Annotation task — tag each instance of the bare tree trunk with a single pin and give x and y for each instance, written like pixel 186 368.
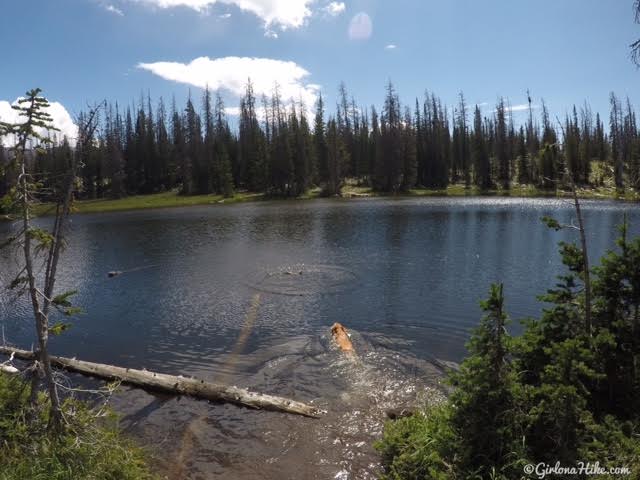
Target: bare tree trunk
pixel 42 324
pixel 585 255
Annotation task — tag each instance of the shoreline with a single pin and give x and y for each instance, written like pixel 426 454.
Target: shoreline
pixel 173 199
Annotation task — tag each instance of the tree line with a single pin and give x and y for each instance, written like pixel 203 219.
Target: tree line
pixel 277 149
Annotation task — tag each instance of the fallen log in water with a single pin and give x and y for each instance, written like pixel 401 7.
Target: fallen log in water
pixel 177 385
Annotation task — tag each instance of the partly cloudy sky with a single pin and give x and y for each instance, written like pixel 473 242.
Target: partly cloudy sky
pixel 61 120
pixel 563 52
pixel 283 13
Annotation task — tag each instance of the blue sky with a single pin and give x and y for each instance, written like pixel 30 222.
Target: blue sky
pixel 79 51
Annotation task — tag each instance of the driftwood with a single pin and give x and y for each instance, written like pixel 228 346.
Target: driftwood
pixel 177 385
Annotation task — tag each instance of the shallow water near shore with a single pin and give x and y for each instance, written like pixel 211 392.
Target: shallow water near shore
pixel 245 294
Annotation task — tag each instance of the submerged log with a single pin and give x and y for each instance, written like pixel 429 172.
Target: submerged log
pixel 177 385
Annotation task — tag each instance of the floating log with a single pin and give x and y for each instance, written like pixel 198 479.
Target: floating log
pixel 341 337
pixel 177 385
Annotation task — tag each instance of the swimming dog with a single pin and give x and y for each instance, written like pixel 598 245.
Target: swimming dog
pixel 341 337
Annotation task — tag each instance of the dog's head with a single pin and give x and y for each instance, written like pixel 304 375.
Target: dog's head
pixel 338 328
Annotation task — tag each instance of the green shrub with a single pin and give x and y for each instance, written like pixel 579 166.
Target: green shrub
pixel 419 446
pixel 90 447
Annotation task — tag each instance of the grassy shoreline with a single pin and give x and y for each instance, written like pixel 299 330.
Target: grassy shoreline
pixel 173 199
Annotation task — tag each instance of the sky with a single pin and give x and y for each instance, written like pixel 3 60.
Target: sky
pixel 82 51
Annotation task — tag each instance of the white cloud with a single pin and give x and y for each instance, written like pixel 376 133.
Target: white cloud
pixel 114 9
pixel 285 13
pixel 260 112
pixel 335 8
pixel 232 111
pixel 231 74
pixel 61 120
pixel 224 16
pixel 391 46
pixel 522 107
pixel 270 34
pixel 360 27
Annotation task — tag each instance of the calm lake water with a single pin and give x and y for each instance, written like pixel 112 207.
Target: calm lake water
pixel 246 293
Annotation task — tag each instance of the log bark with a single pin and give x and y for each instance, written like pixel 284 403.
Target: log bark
pixel 177 385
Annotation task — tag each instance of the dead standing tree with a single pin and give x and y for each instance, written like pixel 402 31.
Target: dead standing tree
pixel 582 253
pixel 42 247
pixel 635 46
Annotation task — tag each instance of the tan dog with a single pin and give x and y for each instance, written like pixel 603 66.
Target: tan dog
pixel 341 337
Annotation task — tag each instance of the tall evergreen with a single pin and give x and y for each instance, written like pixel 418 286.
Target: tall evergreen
pixel 320 143
pixel 502 146
pixel 480 153
pixel 523 159
pixel 390 161
pixel 337 159
pixel 616 125
pixel 252 162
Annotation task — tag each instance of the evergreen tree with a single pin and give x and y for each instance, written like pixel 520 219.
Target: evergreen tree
pixel 222 175
pixel 480 153
pixel 485 412
pixel 390 161
pixel 281 165
pixel 337 158
pixel 192 149
pixel 409 167
pixel 502 146
pixel 617 140
pixel 252 164
pixel 320 143
pixel 523 159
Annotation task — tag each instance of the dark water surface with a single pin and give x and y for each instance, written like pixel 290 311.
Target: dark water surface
pixel 246 293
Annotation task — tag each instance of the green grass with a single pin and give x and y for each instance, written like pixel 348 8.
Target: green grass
pixel 89 447
pixel 518 191
pixel 155 200
pixel 350 190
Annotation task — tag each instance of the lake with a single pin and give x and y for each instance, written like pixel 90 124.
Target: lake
pixel 246 293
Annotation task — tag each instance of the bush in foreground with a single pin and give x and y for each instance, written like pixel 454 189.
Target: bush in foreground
pixel 90 446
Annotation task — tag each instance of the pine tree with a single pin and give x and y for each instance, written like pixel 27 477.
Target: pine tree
pixel 463 142
pixel 548 156
pixel 523 159
pixel 320 143
pixel 192 150
pixel 501 146
pixel 166 176
pixel 390 162
pixel 222 143
pixel 484 415
pixel 337 159
pixel 409 167
pixel 617 140
pixel 281 165
pixel 252 163
pixel 572 147
pixel 480 153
